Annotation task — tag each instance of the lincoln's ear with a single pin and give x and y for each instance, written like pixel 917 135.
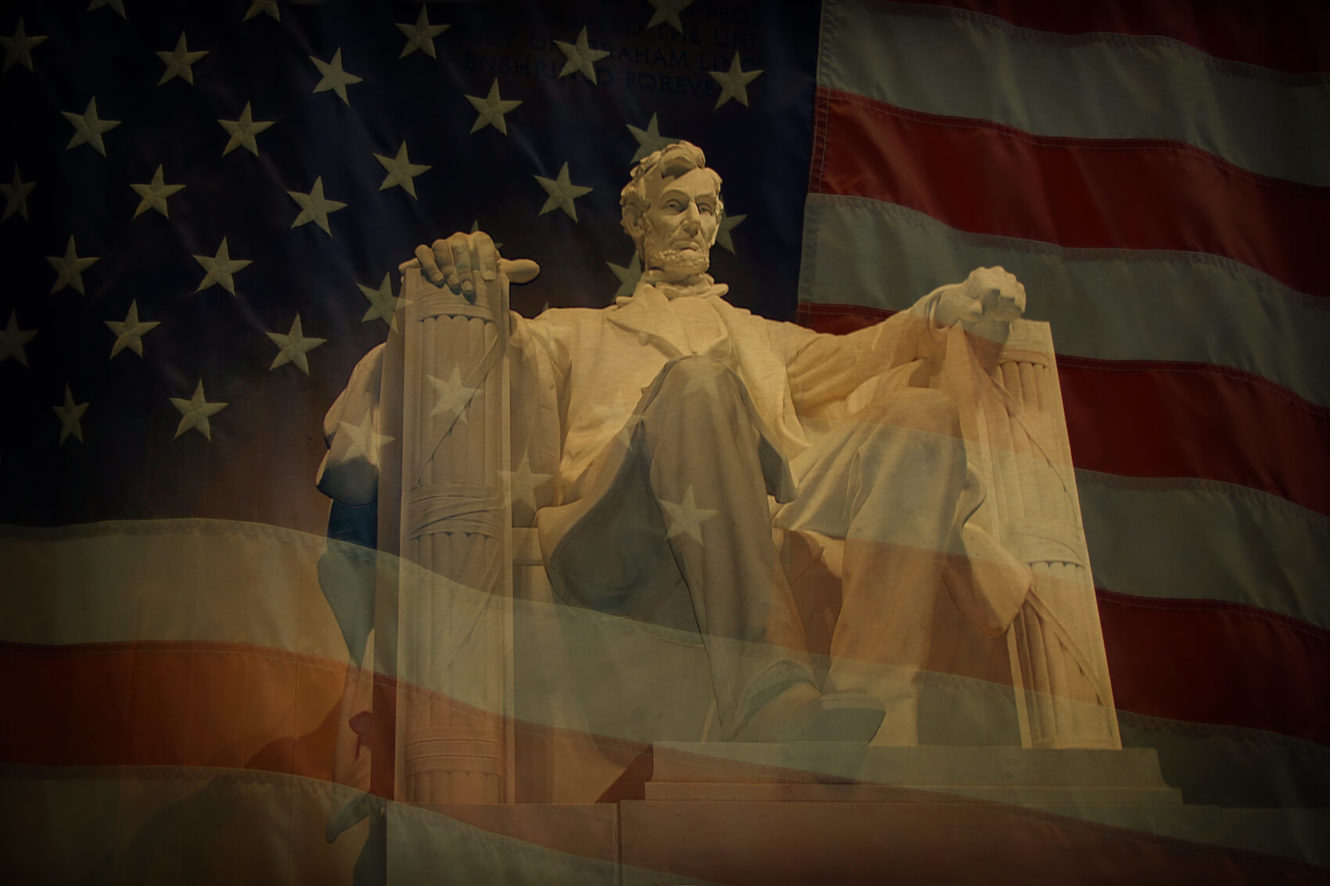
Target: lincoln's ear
pixel 633 222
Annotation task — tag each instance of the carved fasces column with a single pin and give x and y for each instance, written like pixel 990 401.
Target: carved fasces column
pixel 454 616
pixel 1056 645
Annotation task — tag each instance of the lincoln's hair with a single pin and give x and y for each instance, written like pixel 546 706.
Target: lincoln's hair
pixel 669 162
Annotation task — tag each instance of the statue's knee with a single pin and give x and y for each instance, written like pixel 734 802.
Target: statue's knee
pixel 922 409
pixel 697 365
pixel 696 391
pixel 695 372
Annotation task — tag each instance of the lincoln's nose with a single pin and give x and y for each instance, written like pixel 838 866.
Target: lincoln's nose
pixel 692 221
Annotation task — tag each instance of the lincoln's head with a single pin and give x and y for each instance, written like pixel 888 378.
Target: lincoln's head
pixel 671 208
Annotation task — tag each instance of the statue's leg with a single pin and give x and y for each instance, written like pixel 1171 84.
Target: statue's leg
pixel 699 433
pixel 887 481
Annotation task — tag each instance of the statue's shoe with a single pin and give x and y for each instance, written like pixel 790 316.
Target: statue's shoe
pixel 801 713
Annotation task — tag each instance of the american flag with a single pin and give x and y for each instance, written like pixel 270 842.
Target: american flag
pixel 205 208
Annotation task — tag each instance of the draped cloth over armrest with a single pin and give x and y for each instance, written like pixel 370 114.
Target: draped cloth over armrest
pixel 1055 645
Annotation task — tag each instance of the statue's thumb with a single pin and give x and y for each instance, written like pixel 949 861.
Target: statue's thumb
pixel 520 270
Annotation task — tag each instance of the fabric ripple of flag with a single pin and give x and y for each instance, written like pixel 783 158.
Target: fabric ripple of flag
pixel 205 208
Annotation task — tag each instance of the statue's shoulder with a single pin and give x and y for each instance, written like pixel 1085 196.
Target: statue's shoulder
pixel 558 330
pixel 570 319
pixel 365 376
pixel 571 315
pixel 777 330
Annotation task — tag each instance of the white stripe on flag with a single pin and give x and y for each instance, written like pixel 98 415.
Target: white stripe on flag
pixel 172 824
pixel 1107 304
pixel 1202 540
pixel 189 580
pixel 1095 86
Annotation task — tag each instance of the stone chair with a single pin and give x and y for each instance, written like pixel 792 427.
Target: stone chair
pixel 502 695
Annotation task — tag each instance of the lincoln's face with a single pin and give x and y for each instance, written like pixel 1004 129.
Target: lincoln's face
pixel 680 225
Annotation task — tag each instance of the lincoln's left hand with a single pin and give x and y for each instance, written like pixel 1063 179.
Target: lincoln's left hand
pixel 984 303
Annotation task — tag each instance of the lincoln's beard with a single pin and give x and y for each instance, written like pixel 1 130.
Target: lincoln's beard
pixel 689 262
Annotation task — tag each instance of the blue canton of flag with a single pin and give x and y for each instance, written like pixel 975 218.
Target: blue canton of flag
pixel 225 191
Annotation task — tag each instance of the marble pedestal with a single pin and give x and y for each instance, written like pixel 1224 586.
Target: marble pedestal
pixel 708 813
pixel 833 772
pixel 828 813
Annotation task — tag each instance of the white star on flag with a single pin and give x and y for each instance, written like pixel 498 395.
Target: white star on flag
pixel 628 276
pixel 685 518
pixel 88 127
pixel 734 82
pixel 401 171
pixel 243 131
pixel 154 194
pixel 69 415
pixel 117 5
pixel 453 396
pixel 728 223
pixel 268 6
pixel 523 482
pixel 293 347
pixel 178 62
pixel 364 439
pixel 382 302
pixel 668 11
pixel 420 35
pixel 581 57
pixel 334 77
pixel 314 207
pixel 562 193
pixel 649 139
pixel 16 195
pixel 490 109
pixel 69 268
pixel 12 340
pixel 221 269
pixel 130 332
pixel 18 48
pixel 195 412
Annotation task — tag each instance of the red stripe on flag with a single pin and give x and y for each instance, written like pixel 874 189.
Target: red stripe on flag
pixel 1288 35
pixel 1130 194
pixel 1193 420
pixel 170 704
pixel 228 705
pixel 913 838
pixel 1141 419
pixel 1211 662
pixel 233 706
pixel 838 319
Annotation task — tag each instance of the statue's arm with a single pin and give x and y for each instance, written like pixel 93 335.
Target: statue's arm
pixel 539 350
pixel 349 475
pixel 826 369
